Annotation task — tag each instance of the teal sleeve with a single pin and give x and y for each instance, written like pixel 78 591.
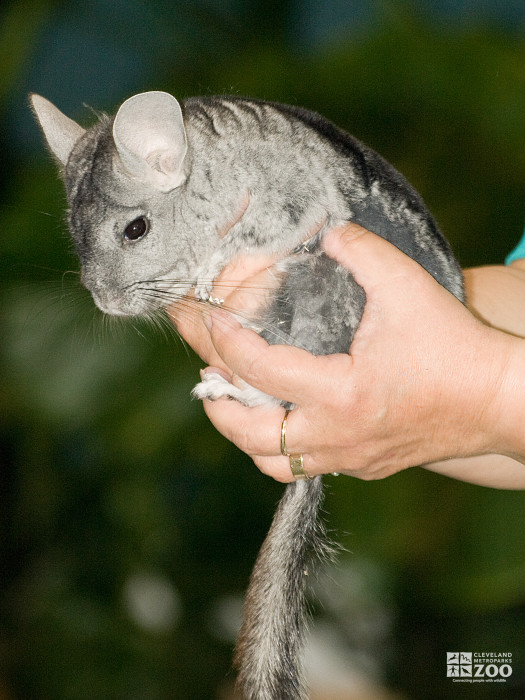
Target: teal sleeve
pixel 518 252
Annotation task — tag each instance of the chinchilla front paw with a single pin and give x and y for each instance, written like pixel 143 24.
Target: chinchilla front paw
pixel 206 274
pixel 214 386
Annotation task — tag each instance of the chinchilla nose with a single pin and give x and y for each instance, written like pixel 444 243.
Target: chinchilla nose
pixel 84 277
pixel 105 294
pixel 91 280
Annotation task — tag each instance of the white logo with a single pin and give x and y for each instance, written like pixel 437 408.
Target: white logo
pixel 479 667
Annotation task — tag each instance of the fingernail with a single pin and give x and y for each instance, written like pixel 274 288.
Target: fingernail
pixel 215 370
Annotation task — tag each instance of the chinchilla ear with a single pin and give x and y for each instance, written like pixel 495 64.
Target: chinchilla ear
pixel 151 140
pixel 60 131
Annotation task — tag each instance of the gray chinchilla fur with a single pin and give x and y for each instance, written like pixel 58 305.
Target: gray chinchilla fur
pixel 162 196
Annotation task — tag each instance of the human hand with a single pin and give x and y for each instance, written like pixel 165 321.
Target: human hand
pixel 419 383
pixel 243 286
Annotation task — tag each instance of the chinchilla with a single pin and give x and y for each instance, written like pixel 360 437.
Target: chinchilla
pixel 162 196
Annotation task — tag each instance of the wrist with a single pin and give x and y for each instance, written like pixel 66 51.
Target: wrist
pixel 487 401
pixel 509 404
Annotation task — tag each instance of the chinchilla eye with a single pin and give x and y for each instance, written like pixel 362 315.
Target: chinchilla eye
pixel 137 229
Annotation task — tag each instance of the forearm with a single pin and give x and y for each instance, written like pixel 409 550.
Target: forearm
pixel 511 409
pixel 494 471
pixel 496 294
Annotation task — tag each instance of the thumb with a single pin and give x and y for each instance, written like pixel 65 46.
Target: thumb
pixel 373 261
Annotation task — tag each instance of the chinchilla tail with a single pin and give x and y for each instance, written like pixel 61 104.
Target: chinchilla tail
pixel 272 635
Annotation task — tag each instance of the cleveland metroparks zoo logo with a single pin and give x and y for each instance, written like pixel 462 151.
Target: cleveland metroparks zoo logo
pixel 479 667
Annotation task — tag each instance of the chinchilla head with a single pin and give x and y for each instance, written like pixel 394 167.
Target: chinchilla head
pixel 124 181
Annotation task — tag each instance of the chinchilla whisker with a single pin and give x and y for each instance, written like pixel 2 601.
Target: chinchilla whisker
pixel 255 319
pixel 190 309
pixel 75 273
pixel 160 323
pixel 231 284
pixel 187 283
pixel 54 294
pixel 136 328
pixel 171 291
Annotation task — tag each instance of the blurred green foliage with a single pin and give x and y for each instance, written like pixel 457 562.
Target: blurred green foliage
pixel 115 489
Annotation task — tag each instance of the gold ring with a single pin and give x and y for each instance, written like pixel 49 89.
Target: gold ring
pixel 283 434
pixel 296 461
pixel 297 467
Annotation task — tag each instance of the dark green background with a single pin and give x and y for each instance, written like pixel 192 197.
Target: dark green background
pixel 111 477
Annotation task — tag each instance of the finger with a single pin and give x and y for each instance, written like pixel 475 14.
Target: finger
pixel 188 321
pixel 244 286
pixel 245 283
pixel 255 430
pixel 372 260
pixel 278 370
pixel 276 467
pixel 253 295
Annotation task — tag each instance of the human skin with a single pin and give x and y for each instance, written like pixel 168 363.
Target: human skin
pixel 426 382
